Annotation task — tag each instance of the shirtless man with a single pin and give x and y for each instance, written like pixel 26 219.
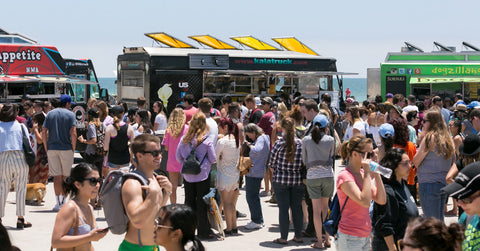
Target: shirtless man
pixel 143 210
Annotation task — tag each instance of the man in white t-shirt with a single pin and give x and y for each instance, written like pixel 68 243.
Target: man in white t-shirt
pixel 411 104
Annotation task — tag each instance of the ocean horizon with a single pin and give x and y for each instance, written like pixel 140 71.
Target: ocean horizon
pixel 358 86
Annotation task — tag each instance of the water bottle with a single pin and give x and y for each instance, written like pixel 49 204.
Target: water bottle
pixel 385 172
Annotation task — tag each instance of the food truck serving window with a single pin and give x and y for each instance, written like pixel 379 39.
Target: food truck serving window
pixel 133 78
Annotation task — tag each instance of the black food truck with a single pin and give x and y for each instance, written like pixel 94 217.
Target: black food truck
pixel 167 74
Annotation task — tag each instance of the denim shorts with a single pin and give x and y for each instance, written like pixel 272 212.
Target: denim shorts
pixel 347 242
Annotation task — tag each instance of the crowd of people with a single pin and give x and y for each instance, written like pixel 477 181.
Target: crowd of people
pixel 292 145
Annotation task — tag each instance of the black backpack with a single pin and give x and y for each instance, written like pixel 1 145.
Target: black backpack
pixel 191 165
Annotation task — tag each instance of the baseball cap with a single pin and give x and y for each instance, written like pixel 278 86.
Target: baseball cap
pixel 267 100
pixel 258 101
pixel 321 120
pixel 65 98
pixel 93 112
pixel 386 129
pixel 390 106
pixel 470 146
pixel 116 109
pixel 389 95
pixel 473 105
pixel 25 96
pixel 350 100
pixel 466 182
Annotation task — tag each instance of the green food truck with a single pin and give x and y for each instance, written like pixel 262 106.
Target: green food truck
pixel 440 73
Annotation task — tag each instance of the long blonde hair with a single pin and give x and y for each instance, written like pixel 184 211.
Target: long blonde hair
pixel 198 127
pixel 437 129
pixel 176 122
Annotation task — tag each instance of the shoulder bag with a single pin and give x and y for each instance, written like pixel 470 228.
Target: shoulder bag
pixel 27 149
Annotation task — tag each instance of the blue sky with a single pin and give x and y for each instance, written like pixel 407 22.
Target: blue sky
pixel 357 33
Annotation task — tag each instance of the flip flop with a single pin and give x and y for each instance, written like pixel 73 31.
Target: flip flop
pixel 280 241
pixel 315 245
pixel 297 240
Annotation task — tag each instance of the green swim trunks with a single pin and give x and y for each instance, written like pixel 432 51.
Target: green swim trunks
pixel 127 246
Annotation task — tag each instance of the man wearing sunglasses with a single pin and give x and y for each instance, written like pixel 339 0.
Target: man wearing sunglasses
pixel 141 209
pixel 475 119
pixel 466 190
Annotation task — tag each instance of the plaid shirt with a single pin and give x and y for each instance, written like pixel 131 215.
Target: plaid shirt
pixel 284 172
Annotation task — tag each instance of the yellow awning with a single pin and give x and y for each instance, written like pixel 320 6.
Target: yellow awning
pixel 254 43
pixel 292 44
pixel 212 42
pixel 164 38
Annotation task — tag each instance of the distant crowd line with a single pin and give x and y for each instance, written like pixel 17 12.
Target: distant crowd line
pixel 288 145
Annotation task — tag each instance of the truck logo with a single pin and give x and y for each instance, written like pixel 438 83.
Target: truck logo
pixel 31 70
pixel 28 55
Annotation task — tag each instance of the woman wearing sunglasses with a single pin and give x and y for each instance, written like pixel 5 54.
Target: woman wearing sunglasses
pixel 75 226
pixel 175 228
pixel 431 234
pixel 433 161
pixel 355 183
pixel 390 220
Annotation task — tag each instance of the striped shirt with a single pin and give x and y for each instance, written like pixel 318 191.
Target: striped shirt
pixel 284 172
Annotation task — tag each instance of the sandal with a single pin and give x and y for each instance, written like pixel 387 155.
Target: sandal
pixel 316 245
pixel 326 241
pixel 21 223
pixel 280 241
pixel 297 240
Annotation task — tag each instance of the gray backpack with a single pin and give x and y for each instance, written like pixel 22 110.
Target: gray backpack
pixel 111 198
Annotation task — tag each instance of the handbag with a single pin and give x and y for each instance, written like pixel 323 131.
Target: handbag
pixel 192 165
pixel 244 165
pixel 27 150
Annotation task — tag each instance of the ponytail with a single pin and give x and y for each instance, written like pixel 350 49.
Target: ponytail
pixel 116 122
pixel 317 134
pixel 197 245
pixel 232 128
pixel 387 142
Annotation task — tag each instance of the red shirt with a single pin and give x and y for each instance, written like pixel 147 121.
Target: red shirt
pixel 266 123
pixel 189 113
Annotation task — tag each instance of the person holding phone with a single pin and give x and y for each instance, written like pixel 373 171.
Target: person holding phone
pixel 75 225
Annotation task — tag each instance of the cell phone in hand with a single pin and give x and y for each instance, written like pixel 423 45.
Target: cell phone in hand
pixel 104 230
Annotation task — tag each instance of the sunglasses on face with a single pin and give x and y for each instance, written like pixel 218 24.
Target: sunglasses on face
pixel 405 163
pixel 369 155
pixel 93 181
pixel 158 225
pixel 401 244
pixel 469 199
pixel 153 153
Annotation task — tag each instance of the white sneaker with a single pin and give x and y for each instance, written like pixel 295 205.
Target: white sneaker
pixel 253 225
pixel 56 208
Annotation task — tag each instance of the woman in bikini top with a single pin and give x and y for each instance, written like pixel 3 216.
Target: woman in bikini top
pixel 75 227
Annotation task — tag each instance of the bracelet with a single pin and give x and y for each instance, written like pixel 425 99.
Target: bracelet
pixel 168 192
